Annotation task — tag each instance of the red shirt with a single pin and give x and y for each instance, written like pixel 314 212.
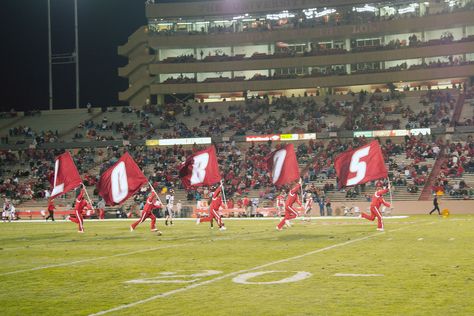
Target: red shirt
pixel 216 200
pixel 377 199
pixel 151 203
pixel 293 196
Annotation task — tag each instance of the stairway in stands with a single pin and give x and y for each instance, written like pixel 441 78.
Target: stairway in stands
pixel 426 192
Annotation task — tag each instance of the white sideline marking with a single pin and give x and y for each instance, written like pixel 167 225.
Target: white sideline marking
pixel 87 260
pixel 194 219
pixel 356 275
pixel 195 285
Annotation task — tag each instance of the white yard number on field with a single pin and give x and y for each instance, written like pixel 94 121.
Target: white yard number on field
pixel 174 277
pixel 58 187
pixel 357 166
pixel 244 278
pixel 199 168
pixel 119 181
pixel 278 160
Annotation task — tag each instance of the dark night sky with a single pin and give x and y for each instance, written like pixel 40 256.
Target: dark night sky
pixel 103 26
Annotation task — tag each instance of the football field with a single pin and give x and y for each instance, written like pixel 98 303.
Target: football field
pixel 420 265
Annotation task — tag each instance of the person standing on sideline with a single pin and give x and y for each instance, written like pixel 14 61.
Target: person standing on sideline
pixel 320 201
pixel 8 211
pixel 216 202
pixel 51 208
pixel 80 205
pixel 290 212
pixel 328 207
pixel 308 206
pixel 101 207
pixel 169 207
pixel 150 204
pixel 179 206
pixel 280 203
pixel 436 205
pixel 377 201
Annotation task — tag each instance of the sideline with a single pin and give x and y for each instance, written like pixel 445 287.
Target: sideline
pixel 194 219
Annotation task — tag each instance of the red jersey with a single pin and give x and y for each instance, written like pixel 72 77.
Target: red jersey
pixel 216 199
pixel 80 202
pixel 293 196
pixel 51 206
pixel 151 203
pixel 377 199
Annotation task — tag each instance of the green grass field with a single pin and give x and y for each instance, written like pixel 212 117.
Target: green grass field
pixel 423 265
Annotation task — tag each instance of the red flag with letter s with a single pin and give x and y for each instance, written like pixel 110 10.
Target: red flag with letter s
pixel 360 165
pixel 283 165
pixel 121 180
pixel 199 169
pixel 66 177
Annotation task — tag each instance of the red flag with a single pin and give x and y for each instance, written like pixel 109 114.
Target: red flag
pixel 360 165
pixel 121 181
pixel 283 165
pixel 66 177
pixel 200 169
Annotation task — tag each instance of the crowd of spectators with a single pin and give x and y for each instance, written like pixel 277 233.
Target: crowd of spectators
pixel 341 16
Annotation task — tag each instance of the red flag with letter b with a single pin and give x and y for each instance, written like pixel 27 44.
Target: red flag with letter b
pixel 200 169
pixel 360 165
pixel 283 165
pixel 66 177
pixel 121 180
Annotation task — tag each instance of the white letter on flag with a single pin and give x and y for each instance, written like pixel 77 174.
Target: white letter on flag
pixel 119 182
pixel 199 168
pixel 358 166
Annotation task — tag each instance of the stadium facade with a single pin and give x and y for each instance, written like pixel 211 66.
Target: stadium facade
pixel 211 50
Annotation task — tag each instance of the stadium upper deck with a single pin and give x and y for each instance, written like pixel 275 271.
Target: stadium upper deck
pixel 212 50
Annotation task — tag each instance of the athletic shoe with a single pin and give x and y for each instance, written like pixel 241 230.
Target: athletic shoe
pixel 287 223
pixel 278 228
pixel 131 228
pixel 67 218
pixel 158 233
pixel 154 229
pixel 380 229
pixel 198 221
pixel 222 228
pixel 80 231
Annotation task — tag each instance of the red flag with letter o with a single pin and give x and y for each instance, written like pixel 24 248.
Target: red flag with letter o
pixel 360 165
pixel 121 180
pixel 200 169
pixel 283 165
pixel 66 177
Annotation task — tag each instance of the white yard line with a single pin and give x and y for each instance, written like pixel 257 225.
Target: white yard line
pixel 65 264
pixel 195 285
pixel 356 275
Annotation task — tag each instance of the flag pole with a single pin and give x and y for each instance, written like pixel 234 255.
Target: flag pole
pixel 153 189
pixel 88 197
pixel 223 193
pixel 390 191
